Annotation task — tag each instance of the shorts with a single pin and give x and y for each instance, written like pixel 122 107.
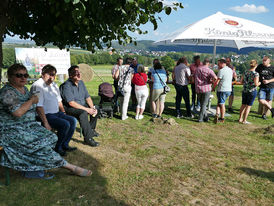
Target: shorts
pixel 158 94
pixel 249 97
pixel 266 93
pixel 222 96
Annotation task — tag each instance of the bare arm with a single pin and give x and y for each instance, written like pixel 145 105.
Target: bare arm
pixel 268 81
pixel 79 106
pixel 25 107
pixel 61 107
pixel 116 76
pixel 240 82
pixel 256 81
pixel 41 114
pixel 215 84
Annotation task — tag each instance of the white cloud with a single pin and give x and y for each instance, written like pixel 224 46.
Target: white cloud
pixel 250 9
pixel 169 2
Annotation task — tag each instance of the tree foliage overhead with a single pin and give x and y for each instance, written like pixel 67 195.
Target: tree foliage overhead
pixel 83 23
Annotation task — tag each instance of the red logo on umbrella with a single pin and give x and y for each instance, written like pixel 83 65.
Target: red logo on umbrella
pixel 232 23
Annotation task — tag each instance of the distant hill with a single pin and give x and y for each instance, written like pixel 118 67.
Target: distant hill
pixel 148 45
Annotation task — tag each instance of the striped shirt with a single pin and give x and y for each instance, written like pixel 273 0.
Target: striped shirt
pixel 203 79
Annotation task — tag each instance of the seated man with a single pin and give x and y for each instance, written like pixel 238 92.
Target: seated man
pixel 77 102
pixel 51 110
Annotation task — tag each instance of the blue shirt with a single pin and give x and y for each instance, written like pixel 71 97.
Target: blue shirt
pixel 134 67
pixel 158 84
pixel 71 92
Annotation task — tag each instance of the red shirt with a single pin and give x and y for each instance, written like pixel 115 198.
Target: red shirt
pixel 138 80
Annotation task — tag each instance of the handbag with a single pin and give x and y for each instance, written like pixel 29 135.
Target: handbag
pixel 120 90
pixel 166 88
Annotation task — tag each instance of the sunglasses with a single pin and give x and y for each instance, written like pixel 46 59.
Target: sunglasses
pixel 18 75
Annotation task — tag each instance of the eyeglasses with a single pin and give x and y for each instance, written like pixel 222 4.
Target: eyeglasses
pixel 19 75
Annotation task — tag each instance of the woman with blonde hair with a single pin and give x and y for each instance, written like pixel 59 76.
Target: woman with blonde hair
pixel 250 81
pixel 141 90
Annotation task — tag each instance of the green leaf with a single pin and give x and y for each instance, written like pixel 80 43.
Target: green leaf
pixel 168 10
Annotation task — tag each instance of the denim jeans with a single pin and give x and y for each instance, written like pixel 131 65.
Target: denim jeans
pixel 193 97
pixel 203 98
pixel 182 91
pixel 65 126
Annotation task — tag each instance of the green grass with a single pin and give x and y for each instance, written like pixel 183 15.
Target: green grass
pixel 146 163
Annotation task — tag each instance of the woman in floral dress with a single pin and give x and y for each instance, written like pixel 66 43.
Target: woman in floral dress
pixel 27 145
pixel 250 80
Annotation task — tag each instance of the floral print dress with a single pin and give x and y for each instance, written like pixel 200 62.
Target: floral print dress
pixel 27 145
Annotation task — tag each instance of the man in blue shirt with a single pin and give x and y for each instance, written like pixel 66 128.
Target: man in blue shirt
pixel 134 66
pixel 78 103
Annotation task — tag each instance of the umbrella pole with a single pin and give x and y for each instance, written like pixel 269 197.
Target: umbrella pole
pixel 214 53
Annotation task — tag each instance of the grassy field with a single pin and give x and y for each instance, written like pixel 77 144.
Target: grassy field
pixel 146 163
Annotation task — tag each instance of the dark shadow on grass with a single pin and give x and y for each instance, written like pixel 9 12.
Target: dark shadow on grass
pixel 258 173
pixel 64 189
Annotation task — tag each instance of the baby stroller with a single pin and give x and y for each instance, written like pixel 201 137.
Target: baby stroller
pixel 106 104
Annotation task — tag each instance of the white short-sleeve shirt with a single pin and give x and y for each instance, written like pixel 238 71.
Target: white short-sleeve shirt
pixel 49 97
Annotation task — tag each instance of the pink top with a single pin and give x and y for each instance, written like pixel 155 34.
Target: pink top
pixel 203 79
pixel 193 67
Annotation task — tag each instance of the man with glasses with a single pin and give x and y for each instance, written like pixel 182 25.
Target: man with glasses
pixel 78 103
pixel 51 110
pixel 266 92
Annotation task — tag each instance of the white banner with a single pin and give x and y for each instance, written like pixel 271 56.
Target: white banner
pixel 35 58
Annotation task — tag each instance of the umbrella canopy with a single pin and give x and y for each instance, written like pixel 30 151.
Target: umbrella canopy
pixel 222 30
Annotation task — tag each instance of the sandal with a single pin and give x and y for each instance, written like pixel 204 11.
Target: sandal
pixel 82 172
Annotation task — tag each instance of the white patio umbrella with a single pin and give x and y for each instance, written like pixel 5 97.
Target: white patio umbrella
pixel 222 30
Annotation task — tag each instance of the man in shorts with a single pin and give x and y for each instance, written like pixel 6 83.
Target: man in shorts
pixel 224 83
pixel 266 92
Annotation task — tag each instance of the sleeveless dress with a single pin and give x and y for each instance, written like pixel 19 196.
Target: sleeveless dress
pixel 27 145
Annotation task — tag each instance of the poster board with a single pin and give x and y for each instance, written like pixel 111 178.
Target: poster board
pixel 34 59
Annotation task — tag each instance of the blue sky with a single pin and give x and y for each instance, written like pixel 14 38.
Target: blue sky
pixel 261 11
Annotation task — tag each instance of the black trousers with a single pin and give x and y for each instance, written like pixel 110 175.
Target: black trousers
pixel 88 126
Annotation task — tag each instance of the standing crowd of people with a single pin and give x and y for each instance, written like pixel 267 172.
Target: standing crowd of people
pixel 33 148
pixel 203 81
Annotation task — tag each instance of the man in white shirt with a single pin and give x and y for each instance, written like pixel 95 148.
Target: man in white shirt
pixel 51 110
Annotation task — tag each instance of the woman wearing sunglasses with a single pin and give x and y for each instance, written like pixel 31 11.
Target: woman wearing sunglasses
pixel 28 147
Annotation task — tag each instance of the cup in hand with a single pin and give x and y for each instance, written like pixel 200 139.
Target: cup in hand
pixel 36 93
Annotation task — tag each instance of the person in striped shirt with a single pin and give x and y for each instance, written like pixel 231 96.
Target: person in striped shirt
pixel 204 77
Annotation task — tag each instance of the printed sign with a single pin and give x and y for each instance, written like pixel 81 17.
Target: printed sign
pixel 35 58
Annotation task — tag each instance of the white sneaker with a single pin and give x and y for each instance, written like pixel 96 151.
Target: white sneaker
pixel 137 117
pixel 141 116
pixel 246 122
pixel 124 118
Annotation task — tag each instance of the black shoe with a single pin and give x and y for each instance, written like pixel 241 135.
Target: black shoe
pixel 264 117
pixel 61 152
pixel 206 119
pixel 69 149
pixel 230 110
pixel 96 134
pixel 91 142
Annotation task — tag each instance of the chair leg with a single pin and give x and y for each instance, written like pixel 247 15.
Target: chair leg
pixel 7 176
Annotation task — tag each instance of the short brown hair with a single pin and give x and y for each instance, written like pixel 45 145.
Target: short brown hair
pixel 14 68
pixel 48 69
